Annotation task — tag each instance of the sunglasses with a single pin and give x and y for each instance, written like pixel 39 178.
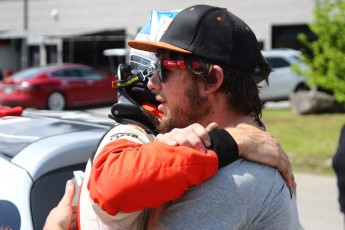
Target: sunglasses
pixel 162 64
pixel 125 77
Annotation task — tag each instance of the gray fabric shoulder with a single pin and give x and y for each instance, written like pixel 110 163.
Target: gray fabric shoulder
pixel 243 195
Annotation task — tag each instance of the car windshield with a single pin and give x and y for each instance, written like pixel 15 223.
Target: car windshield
pixel 18 132
pixel 29 73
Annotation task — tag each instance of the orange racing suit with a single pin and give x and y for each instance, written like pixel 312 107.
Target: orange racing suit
pixel 131 174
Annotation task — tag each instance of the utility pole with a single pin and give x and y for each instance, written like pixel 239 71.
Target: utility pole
pixel 24 53
pixel 25 13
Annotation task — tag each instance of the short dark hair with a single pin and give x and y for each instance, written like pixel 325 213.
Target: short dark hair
pixel 238 85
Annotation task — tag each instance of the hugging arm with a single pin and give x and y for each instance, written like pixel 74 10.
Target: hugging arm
pixel 245 141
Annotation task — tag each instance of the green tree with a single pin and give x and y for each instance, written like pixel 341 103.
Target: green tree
pixel 327 62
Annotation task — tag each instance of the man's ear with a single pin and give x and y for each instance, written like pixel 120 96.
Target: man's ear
pixel 218 75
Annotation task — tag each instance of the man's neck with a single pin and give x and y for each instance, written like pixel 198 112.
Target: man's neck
pixel 227 117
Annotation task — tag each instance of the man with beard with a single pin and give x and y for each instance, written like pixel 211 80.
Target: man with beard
pixel 209 60
pixel 192 88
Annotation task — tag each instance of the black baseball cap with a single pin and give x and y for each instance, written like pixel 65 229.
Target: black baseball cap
pixel 212 33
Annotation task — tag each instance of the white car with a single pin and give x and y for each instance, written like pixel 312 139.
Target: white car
pixel 39 151
pixel 282 80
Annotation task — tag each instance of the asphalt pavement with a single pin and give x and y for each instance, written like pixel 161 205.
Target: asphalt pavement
pixel 317 195
pixel 317 201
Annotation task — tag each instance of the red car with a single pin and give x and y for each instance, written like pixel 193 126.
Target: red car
pixel 56 87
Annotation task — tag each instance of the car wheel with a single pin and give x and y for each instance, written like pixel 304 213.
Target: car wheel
pixel 56 101
pixel 301 88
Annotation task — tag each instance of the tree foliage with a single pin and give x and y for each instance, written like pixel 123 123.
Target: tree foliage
pixel 327 62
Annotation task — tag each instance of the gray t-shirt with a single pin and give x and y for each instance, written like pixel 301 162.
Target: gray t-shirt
pixel 242 195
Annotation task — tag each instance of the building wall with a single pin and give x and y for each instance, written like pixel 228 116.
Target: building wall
pixel 132 14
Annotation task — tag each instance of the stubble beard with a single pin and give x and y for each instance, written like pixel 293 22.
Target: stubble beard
pixel 193 110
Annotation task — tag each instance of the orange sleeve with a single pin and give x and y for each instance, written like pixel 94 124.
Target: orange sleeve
pixel 127 176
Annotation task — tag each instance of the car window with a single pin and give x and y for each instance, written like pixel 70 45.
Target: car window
pixel 66 73
pixel 29 73
pixel 47 192
pixel 85 73
pixel 277 62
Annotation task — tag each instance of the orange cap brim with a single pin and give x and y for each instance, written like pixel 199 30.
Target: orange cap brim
pixel 152 46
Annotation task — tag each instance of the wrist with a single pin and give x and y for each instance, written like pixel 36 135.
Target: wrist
pixel 224 145
pixel 239 139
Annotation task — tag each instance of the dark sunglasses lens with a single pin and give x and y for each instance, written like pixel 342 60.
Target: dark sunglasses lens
pixel 161 72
